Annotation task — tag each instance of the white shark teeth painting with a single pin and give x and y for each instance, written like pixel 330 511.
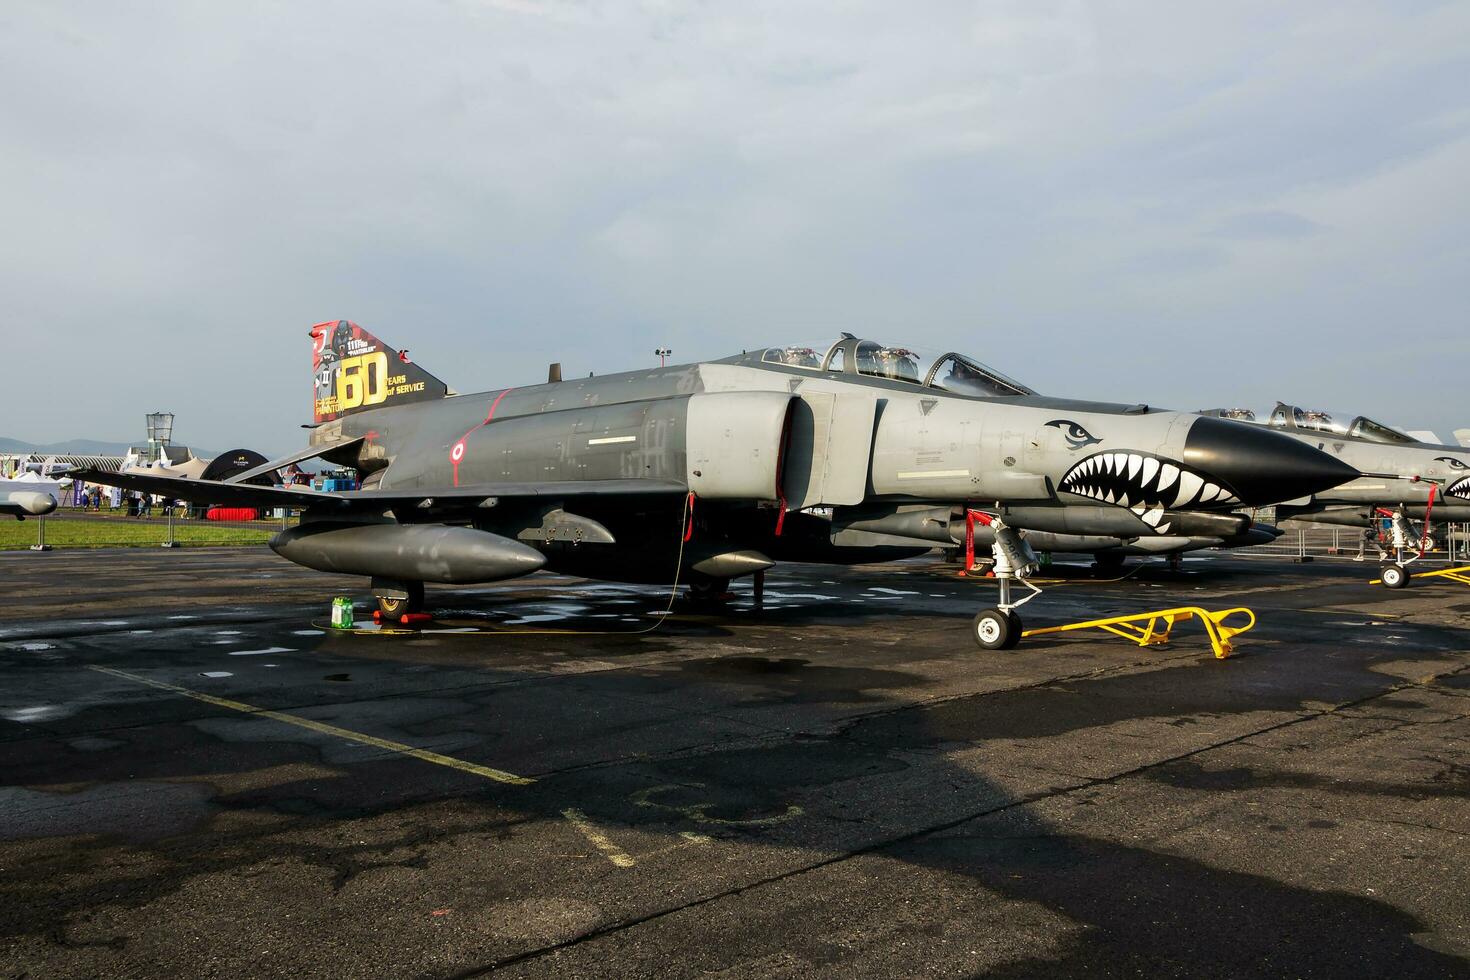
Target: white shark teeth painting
pixel 1145 484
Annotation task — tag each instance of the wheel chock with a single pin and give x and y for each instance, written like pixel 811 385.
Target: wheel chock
pixel 1153 628
pixel 406 619
pixel 1460 574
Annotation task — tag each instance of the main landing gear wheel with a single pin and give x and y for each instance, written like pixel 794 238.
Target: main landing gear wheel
pixel 997 630
pixel 1394 576
pixel 392 607
pixel 708 589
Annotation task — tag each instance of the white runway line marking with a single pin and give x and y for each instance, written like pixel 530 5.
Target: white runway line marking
pixel 448 761
pixel 24 715
pixel 611 851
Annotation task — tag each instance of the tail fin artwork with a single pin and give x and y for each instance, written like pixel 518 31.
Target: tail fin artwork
pixel 353 371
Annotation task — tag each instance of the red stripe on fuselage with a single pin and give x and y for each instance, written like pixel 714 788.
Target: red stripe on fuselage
pixel 457 451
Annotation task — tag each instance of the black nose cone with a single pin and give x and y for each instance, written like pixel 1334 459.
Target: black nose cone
pixel 1261 466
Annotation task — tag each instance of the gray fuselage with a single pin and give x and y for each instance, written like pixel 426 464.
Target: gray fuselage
pixel 750 438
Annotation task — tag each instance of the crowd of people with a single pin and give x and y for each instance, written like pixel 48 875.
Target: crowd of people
pixel 134 502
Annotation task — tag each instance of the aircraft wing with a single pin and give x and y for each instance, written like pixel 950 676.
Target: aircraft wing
pixel 300 456
pixel 250 495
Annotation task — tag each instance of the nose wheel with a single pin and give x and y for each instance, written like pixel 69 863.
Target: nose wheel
pixel 997 629
pixel 1393 576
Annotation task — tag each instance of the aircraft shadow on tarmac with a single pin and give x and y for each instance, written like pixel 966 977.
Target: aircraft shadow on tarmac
pixel 1140 911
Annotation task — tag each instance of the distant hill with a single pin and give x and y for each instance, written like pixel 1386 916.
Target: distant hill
pixel 81 447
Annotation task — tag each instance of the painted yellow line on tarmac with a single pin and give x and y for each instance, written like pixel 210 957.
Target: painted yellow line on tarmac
pixel 499 775
pixel 599 840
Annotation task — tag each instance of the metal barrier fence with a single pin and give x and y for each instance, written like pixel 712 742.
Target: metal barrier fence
pixel 166 527
pixel 1303 541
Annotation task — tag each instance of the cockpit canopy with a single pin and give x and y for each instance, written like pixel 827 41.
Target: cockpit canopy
pixel 1290 417
pixel 952 372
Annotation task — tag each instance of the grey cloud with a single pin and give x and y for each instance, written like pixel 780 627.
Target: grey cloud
pixel 185 188
pixel 1265 224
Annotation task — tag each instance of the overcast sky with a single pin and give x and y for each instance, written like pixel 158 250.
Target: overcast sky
pixel 1187 204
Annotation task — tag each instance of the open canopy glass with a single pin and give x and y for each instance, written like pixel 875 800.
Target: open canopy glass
pixel 949 371
pixel 1291 417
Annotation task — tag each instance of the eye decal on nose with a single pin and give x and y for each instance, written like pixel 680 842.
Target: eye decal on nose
pixel 1147 485
pixel 1076 436
pixel 1460 487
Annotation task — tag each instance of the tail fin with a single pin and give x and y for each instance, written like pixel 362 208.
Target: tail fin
pixel 353 371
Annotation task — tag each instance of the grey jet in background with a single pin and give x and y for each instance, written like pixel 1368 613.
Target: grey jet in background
pixel 846 452
pixel 1398 474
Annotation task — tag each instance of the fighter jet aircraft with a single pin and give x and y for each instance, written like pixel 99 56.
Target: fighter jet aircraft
pixel 845 452
pixel 1398 473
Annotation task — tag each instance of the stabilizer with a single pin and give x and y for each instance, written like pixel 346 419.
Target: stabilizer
pixel 353 371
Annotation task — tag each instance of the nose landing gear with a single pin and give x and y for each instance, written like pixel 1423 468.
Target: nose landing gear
pixel 1404 539
pixel 1000 628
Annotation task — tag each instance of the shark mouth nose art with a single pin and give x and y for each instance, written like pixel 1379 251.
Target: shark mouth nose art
pixel 1146 485
pixel 1460 488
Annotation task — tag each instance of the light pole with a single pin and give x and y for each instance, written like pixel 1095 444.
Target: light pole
pixel 663 354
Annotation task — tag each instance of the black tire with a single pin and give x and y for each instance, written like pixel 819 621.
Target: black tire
pixel 1016 629
pixel 1394 576
pixel 393 608
pixel 995 630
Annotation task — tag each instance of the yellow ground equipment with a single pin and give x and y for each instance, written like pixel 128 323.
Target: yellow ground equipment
pixel 1152 628
pixel 1396 576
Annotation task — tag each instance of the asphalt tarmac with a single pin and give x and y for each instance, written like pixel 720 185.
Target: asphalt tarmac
pixel 198 780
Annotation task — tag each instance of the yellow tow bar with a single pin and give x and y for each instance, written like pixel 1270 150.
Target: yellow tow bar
pixel 1461 575
pixel 1152 628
